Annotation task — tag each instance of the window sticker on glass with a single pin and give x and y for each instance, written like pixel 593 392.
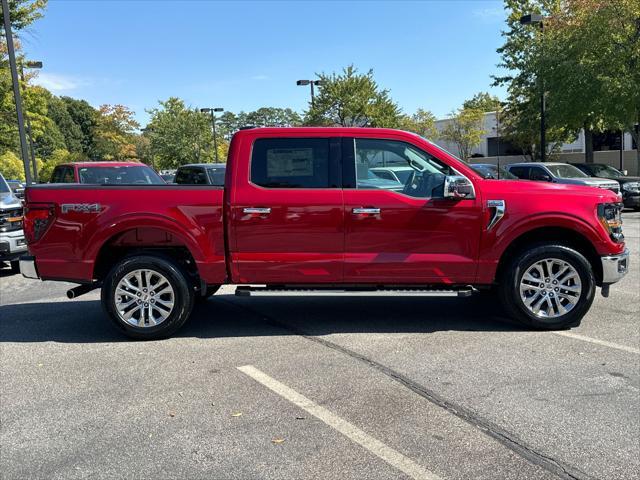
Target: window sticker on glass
pixel 290 162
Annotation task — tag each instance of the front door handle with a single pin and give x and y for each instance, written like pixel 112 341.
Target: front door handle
pixel 366 211
pixel 256 210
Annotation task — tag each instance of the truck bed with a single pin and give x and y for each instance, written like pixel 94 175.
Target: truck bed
pixel 87 218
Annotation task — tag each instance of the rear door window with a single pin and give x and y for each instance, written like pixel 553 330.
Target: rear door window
pixel 521 172
pixel 291 163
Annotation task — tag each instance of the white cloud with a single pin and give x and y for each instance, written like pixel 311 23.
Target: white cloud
pixel 59 83
pixel 260 77
pixel 490 13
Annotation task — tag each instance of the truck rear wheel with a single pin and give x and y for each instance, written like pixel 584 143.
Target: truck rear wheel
pixel 147 297
pixel 548 287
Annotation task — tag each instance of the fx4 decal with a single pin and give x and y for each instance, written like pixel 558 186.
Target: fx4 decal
pixel 81 207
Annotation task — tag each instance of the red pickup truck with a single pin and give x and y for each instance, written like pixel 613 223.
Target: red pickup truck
pixel 300 214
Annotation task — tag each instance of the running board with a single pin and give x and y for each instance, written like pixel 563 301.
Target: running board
pixel 244 291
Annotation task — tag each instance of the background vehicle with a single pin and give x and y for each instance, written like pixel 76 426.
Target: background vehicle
pixel 12 242
pixel 17 187
pixel 490 171
pixel 397 174
pixel 559 173
pixel 168 177
pixel 106 173
pixel 296 214
pixel 629 186
pixel 201 174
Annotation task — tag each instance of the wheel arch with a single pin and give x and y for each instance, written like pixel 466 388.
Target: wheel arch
pixel 552 235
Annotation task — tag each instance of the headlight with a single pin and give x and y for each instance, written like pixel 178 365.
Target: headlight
pixel 631 187
pixel 610 216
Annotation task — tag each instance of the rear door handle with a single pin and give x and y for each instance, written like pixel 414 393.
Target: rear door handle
pixel 366 211
pixel 261 211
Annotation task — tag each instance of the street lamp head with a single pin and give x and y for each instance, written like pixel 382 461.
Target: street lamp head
pixel 531 19
pixel 218 109
pixel 32 64
pixel 205 110
pixel 318 83
pixel 303 82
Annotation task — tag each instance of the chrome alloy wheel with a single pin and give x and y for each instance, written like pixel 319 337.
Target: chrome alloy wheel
pixel 550 288
pixel 144 298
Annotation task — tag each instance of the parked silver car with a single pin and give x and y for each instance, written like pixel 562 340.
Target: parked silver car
pixel 559 173
pixel 12 242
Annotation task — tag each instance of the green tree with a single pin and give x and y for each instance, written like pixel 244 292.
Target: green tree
pixel 178 135
pixel 483 101
pixel 352 99
pixel 86 118
pixel 11 166
pixel 521 55
pixel 423 122
pixel 464 129
pixel 23 13
pixel 591 66
pixel 114 133
pixel 71 132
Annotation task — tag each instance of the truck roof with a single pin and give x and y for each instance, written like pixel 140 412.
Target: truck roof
pixel 103 164
pixel 205 165
pixel 335 131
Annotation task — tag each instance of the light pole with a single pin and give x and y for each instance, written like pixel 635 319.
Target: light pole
pixel 317 83
pixel 34 65
pixel 537 19
pixel 213 124
pixel 16 90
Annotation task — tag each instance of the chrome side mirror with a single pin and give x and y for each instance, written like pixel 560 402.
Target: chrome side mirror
pixel 457 186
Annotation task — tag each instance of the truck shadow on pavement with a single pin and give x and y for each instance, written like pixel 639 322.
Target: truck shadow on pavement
pixel 230 316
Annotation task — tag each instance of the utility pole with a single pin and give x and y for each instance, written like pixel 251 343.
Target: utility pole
pixel 16 90
pixel 317 83
pixel 537 19
pixel 212 111
pixel 28 120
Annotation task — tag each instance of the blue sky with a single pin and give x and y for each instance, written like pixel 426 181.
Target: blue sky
pixel 244 55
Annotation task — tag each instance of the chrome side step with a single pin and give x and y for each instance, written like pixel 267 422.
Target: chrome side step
pixel 245 291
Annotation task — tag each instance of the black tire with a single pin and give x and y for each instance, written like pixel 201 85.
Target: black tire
pixel 178 279
pixel 509 287
pixel 15 266
pixel 211 290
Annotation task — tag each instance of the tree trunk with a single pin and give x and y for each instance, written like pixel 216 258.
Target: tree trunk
pixel 588 145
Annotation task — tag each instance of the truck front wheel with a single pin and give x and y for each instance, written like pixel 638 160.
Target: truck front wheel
pixel 147 297
pixel 548 287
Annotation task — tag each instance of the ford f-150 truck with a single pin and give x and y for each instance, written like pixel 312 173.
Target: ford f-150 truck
pixel 297 215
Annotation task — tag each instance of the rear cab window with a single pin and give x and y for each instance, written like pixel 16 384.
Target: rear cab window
pixel 291 163
pixel 119 175
pixel 63 174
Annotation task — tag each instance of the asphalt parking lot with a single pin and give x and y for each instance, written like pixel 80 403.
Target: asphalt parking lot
pixel 348 388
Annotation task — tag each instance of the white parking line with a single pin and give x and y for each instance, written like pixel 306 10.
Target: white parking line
pixel 604 343
pixel 353 433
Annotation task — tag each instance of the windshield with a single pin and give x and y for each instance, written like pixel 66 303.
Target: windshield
pixel 566 171
pixel 4 188
pixel 216 176
pixel 604 171
pixel 133 175
pixel 403 175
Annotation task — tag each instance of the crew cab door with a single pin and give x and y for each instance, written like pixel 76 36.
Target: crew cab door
pixel 410 235
pixel 287 211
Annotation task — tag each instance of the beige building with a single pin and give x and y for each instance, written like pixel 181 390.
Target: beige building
pixel 494 149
